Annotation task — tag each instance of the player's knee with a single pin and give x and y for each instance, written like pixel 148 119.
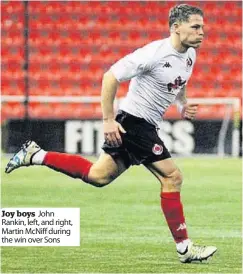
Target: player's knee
pixel 177 178
pixel 99 178
pixel 174 180
pixel 100 181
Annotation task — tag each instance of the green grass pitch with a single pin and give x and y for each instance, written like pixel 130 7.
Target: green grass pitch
pixel 122 227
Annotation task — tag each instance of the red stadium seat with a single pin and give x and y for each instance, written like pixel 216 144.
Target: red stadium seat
pixel 71 45
pixel 36 7
pixel 12 111
pixel 12 87
pixel 12 7
pixel 64 110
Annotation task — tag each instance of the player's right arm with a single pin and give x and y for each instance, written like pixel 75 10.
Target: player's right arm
pixel 126 68
pixel 112 128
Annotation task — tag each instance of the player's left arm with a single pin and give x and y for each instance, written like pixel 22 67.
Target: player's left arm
pixel 188 111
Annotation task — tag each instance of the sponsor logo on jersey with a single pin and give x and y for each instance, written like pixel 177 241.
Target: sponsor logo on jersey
pixel 181 227
pixel 167 65
pixel 157 149
pixel 177 84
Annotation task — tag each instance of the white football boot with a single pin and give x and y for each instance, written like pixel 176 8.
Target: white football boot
pixel 23 157
pixel 196 253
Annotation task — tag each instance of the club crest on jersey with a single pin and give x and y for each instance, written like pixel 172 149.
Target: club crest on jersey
pixel 188 62
pixel 157 149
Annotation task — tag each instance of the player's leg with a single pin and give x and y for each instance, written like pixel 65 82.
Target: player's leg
pixel 98 174
pixel 101 173
pixel 105 170
pixel 171 179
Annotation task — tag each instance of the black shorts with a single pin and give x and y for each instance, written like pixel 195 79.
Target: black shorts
pixel 140 144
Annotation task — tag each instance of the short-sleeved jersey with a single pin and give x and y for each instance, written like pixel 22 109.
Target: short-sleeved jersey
pixel 157 73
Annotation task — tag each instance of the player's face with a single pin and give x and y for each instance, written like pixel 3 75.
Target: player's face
pixel 191 33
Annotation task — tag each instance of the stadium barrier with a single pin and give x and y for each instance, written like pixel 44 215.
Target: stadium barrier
pixel 182 137
pixel 218 136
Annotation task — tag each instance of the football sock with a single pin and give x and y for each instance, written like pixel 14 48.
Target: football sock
pixel 173 211
pixel 39 157
pixel 71 165
pixel 181 247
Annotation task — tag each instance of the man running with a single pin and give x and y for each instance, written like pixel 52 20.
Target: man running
pixel 159 73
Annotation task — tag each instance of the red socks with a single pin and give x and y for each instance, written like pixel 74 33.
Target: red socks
pixel 78 167
pixel 72 165
pixel 173 211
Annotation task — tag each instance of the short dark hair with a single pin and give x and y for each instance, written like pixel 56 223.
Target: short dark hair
pixel 181 13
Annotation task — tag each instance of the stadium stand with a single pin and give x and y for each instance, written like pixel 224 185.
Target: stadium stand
pixel 71 44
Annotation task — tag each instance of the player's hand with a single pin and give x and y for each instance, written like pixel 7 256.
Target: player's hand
pixel 189 111
pixel 112 130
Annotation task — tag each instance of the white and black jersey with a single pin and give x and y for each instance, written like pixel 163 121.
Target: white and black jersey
pixel 157 73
